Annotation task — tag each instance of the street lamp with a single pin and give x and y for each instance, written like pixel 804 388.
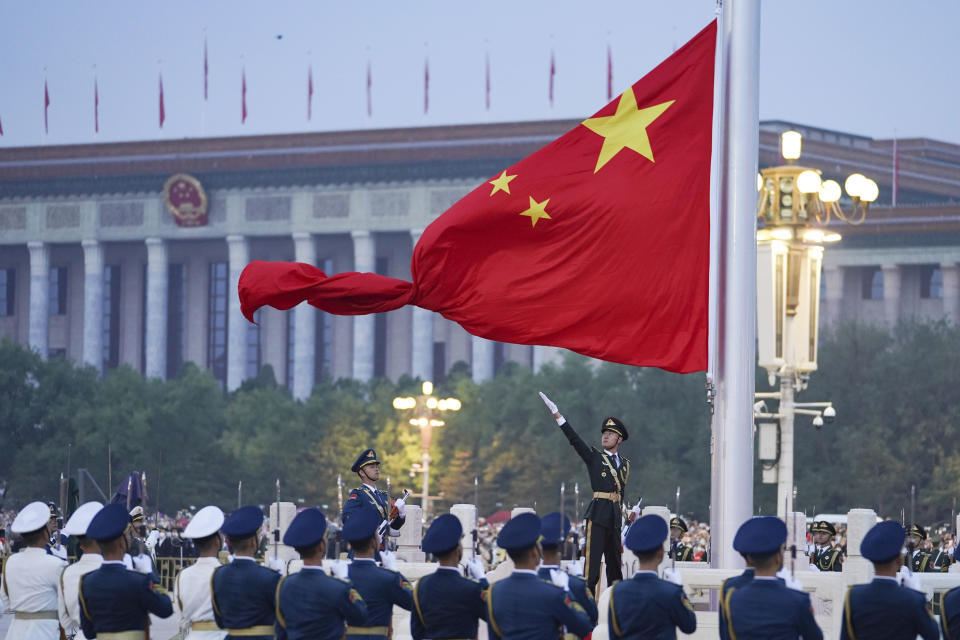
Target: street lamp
pixel 425 408
pixel 794 205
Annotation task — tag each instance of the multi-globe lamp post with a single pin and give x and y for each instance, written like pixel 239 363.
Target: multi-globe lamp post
pixel 426 407
pixel 794 207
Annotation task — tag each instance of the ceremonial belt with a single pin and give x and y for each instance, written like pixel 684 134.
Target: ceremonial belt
pixel 367 631
pixel 121 635
pixel 204 625
pixel 607 495
pixel 35 615
pixel 258 630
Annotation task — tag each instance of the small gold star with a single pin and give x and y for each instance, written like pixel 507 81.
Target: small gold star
pixel 502 183
pixel 536 211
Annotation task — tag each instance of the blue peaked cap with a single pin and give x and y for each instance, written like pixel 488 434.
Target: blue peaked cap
pixel 306 529
pixel 520 532
pixel 443 535
pixel 361 525
pixel 369 456
pixel 646 534
pixel 243 522
pixel 883 542
pixel 550 531
pixel 760 536
pixel 109 523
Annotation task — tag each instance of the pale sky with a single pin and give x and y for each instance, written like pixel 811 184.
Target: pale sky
pixel 874 67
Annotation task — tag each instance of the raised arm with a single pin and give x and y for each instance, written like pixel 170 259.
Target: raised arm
pixel 581 447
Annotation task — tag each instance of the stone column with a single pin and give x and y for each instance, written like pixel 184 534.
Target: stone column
pixel 856 568
pixel 304 326
pixel 950 272
pixel 467 515
pixel 833 277
pixel 411 534
pixel 482 361
pixel 155 349
pixel 421 359
pixel 93 303
pixel 363 330
pixel 39 332
pixel 239 252
pixel 891 294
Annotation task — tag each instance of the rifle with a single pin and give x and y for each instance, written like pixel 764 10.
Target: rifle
pixel 673 555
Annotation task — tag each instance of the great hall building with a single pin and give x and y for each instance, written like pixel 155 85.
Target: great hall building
pixel 96 265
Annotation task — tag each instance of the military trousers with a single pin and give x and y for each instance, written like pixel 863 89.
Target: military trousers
pixel 602 544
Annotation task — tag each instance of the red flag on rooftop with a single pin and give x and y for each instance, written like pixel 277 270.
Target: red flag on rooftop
pixel 46 107
pixel 243 96
pixel 426 85
pixel 1 127
pixel 369 90
pixel 163 113
pixel 487 87
pixel 309 92
pixel 206 69
pixel 609 73
pixel 553 73
pixel 598 242
pixel 96 106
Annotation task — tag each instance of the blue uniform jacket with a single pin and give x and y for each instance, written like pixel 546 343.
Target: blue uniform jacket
pixel 447 605
pixel 115 599
pixel 313 606
pixel 950 614
pixel 524 607
pixel 580 592
pixel 883 609
pixel 646 607
pixel 362 497
pixel 244 596
pixel 380 589
pixel 731 583
pixel 765 609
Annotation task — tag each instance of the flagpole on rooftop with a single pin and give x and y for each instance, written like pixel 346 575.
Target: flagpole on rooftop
pixel 735 330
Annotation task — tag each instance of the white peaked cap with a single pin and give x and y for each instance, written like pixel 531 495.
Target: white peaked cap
pixel 31 517
pixel 80 520
pixel 206 523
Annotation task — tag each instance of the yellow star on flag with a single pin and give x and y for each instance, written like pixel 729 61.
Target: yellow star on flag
pixel 627 128
pixel 536 211
pixel 502 183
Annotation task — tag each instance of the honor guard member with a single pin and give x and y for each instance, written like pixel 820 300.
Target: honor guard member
pixel 950 614
pixel 57 546
pixel 31 578
pixel 553 532
pixel 646 606
pixel 445 604
pixel 116 603
pixel 90 559
pixel 731 584
pixel 608 472
pixel 918 558
pixel 380 587
pixel 191 591
pixel 524 607
pixel 679 551
pixel 940 559
pixel 883 609
pixel 825 557
pixel 367 467
pixel 310 604
pixel 765 607
pixel 243 592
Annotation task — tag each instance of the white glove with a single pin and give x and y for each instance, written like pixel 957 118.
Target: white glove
pixel 792 583
pixel 142 564
pixel 152 540
pixel 814 567
pixel 475 568
pixel 909 579
pixel 552 407
pixel 560 578
pixel 401 506
pixel 672 575
pixel 388 560
pixel 340 569
pixel 575 568
pixel 277 564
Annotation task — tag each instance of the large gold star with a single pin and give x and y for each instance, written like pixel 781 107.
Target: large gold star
pixel 627 128
pixel 536 211
pixel 502 183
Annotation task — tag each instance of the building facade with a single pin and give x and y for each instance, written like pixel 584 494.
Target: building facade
pixel 95 267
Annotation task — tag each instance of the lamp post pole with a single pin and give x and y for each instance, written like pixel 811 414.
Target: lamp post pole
pixel 426 433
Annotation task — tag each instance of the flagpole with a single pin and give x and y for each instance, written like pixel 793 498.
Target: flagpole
pixel 732 450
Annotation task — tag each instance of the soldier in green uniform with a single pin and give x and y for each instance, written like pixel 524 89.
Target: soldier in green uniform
pixel 608 472
pixel 918 555
pixel 825 556
pixel 679 551
pixel 940 558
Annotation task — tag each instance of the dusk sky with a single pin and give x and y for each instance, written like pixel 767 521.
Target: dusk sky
pixel 878 68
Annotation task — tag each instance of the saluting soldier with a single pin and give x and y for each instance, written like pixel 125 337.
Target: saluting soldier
pixel 243 592
pixel 825 556
pixel 765 607
pixel 645 606
pixel 608 472
pixel 192 588
pixel 522 605
pixel 31 577
pixel 367 468
pixel 380 587
pixel 679 551
pixel 447 605
pixel 883 609
pixel 90 559
pixel 117 603
pixel 310 604
pixel 553 532
pixel 919 558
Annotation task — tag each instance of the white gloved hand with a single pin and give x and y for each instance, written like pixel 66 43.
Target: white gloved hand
pixel 475 568
pixel 152 540
pixel 388 560
pixel 560 579
pixel 672 575
pixel 401 506
pixel 553 407
pixel 909 579
pixel 575 568
pixel 791 582
pixel 277 564
pixel 340 569
pixel 142 564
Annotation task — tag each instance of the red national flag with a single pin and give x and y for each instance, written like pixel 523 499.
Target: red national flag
pixel 598 242
pixel 609 74
pixel 309 92
pixel 46 107
pixel 163 113
pixel 553 73
pixel 369 91
pixel 426 85
pixel 487 70
pixel 96 106
pixel 243 96
pixel 206 69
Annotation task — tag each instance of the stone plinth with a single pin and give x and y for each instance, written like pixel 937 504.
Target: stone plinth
pixel 467 515
pixel 856 568
pixel 411 533
pixel 797 535
pixel 287 511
